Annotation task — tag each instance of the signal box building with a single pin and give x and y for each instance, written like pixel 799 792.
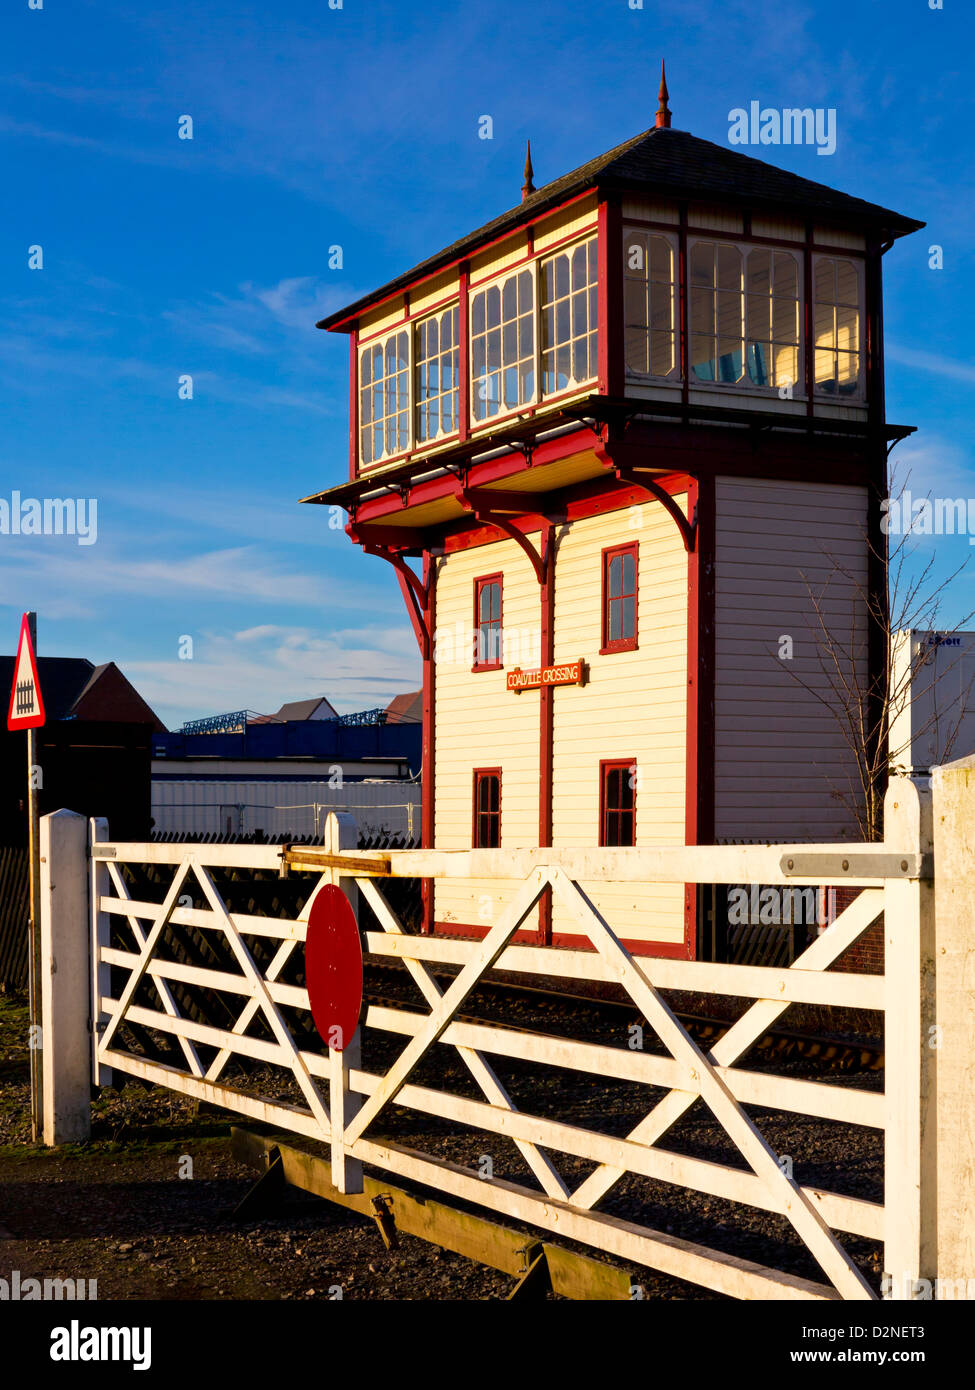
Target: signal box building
pixel 632 435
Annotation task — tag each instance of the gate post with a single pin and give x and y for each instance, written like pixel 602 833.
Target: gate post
pixel 954 826
pixel 341 833
pixel 65 978
pixel 910 1151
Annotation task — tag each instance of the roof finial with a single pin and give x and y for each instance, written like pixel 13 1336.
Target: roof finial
pixel 663 113
pixel 528 187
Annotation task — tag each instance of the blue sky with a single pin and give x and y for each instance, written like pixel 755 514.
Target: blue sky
pixel 358 127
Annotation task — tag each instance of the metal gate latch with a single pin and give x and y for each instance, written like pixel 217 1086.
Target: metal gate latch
pixel 382 1214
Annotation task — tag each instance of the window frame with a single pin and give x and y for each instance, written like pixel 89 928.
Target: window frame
pixel 606 766
pixel 477 774
pixel 744 385
pixel 620 644
pixel 380 339
pixel 674 375
pixel 859 396
pixel 436 312
pixel 482 287
pixel 480 581
pixel 551 254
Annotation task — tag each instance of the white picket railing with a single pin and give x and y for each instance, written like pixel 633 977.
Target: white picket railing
pixel 343 1105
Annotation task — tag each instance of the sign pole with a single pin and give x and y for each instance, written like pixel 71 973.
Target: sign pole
pixel 34 858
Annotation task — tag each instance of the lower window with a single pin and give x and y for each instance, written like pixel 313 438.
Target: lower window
pixel 617 803
pixel 487 808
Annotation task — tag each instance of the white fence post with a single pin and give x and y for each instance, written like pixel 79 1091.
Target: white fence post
pixel 65 982
pixel 910 1197
pixel 954 831
pixel 99 886
pixel 341 833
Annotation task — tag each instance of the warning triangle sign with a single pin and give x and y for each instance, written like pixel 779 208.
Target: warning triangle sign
pixel 26 706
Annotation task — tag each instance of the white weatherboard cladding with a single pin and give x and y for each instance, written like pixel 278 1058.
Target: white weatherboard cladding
pixel 634 706
pixel 479 723
pixel 780 754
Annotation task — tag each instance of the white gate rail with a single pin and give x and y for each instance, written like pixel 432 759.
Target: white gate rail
pixel 343 1105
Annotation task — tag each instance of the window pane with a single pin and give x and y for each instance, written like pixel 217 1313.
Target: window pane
pixel 628 619
pixel 568 316
pixel 702 263
pixel 824 280
pixel 846 283
pixel 509 300
pixel 629 572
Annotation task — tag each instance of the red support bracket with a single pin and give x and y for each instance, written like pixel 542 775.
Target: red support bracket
pixel 414 593
pixel 476 500
pixel 609 453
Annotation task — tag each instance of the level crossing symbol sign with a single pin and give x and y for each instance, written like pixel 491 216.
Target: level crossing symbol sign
pixel 26 709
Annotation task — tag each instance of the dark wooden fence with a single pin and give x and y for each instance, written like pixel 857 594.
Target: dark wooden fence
pixel 14 913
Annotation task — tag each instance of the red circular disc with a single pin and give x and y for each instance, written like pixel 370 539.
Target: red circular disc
pixel 333 967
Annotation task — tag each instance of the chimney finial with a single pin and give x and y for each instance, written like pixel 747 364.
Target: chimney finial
pixel 663 113
pixel 528 187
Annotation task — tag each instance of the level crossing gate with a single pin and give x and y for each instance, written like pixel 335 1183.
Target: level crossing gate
pixel 924 1223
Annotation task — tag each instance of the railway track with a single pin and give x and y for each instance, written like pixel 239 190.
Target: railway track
pixel 830 1053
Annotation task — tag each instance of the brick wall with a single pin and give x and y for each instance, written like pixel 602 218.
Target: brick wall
pixel 866 956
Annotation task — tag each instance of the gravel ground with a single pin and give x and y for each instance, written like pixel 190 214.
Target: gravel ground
pixel 117 1209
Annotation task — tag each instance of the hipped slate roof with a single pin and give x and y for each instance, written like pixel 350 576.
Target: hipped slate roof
pixel 670 163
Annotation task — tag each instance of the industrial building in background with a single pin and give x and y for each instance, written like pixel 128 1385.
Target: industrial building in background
pixel 245 775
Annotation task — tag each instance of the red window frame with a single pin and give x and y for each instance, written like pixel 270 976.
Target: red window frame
pixel 607 766
pixel 480 584
pixel 480 776
pixel 620 644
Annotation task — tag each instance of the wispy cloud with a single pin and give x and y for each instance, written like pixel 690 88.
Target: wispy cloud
pixel 70 581
pixel 931 362
pixel 260 668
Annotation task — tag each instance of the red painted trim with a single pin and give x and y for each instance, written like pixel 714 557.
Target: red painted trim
pixel 593 498
pixel 546 720
pixel 479 582
pixel 468 255
pixel 531 254
pixel 464 355
pixel 699 767
pixel 467 931
pixel 609 298
pixel 419 316
pixel 353 404
pixel 607 765
pixel 622 644
pixel 477 773
pixel 428 758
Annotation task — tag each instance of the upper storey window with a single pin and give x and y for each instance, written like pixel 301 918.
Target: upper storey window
pixel 437 356
pixel 503 345
pixel 649 304
pixel 836 324
pixel 717 312
pixel 384 397
pixel 569 318
pixel 772 317
pixel 744 315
